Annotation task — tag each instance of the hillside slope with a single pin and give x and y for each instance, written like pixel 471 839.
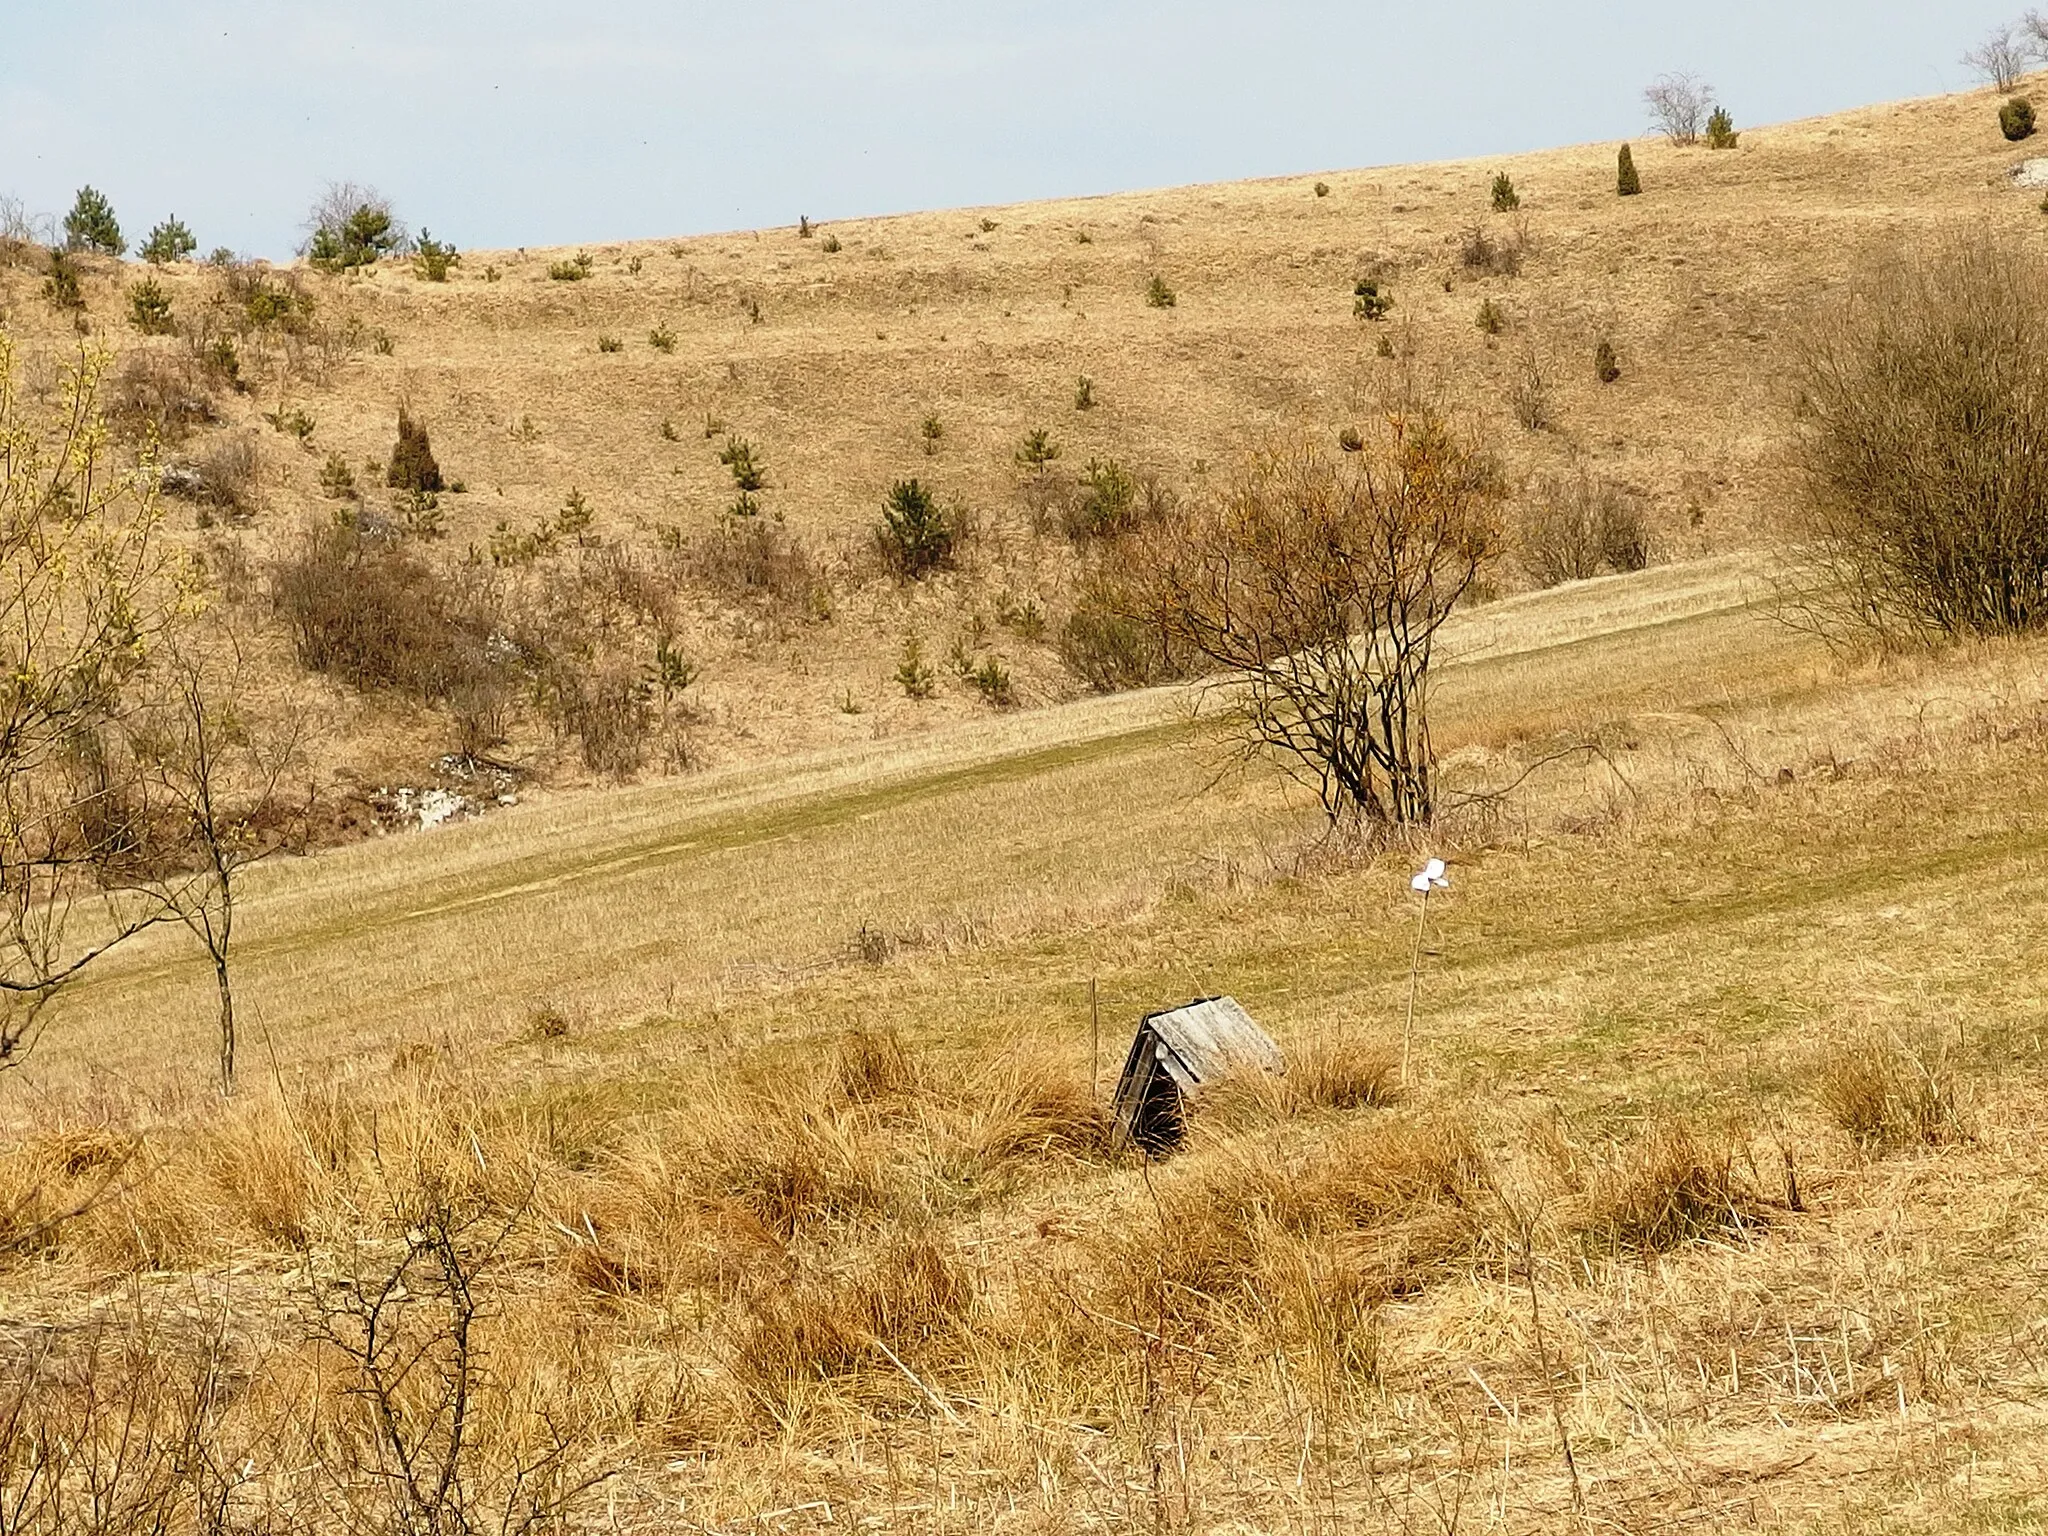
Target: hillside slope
pixel 829 360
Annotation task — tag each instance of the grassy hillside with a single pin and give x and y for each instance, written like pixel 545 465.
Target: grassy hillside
pixel 741 1134
pixel 828 361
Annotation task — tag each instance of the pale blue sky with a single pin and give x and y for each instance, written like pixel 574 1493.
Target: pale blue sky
pixel 559 121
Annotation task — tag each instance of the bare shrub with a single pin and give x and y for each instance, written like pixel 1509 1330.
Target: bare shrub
pixel 758 559
pixel 1679 104
pixel 1111 649
pixel 1887 1097
pixel 363 608
pixel 1320 587
pixel 1482 255
pixel 2001 59
pixel 1923 392
pixel 1575 526
pixel 227 476
pixel 159 394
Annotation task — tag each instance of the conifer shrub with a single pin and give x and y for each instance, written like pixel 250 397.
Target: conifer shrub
pixel 2016 119
pixel 149 308
pixel 1627 183
pixel 662 339
pixel 573 270
pixel 91 225
pixel 1158 295
pixel 170 241
pixel 61 286
pixel 1505 198
pixel 916 534
pixel 1369 301
pixel 992 681
pixel 337 480
pixel 1107 505
pixel 1322 189
pixel 1084 394
pixel 1491 319
pixel 1721 132
pixel 748 473
pixel 412 465
pixel 610 344
pixel 932 431
pixel 352 227
pixel 432 259
pixel 913 675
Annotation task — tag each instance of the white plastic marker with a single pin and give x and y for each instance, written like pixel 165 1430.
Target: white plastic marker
pixel 1431 877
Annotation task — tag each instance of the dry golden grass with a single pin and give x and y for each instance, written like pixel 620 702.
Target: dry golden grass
pixel 810 1216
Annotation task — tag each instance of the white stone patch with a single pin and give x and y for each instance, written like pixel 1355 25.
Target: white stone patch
pixel 2030 173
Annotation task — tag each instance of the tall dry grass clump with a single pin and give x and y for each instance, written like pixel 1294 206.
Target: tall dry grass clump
pixel 1923 399
pixel 1886 1097
pixel 1669 1186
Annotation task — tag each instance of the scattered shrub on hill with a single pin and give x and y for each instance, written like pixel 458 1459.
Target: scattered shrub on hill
pixel 662 339
pixel 748 473
pixel 1111 649
pixel 351 226
pixel 412 465
pixel 932 430
pixel 1923 397
pixel 1084 394
pixel 159 395
pixel 757 559
pixel 1481 254
pixel 1107 505
pixel 1037 451
pixel 1322 189
pixel 916 534
pixel 1721 132
pixel 227 478
pixel 61 286
pixel 221 362
pixel 609 343
pixel 433 259
pixel 1491 319
pixel 91 225
pixel 1627 183
pixel 2016 119
pixel 293 423
pixel 170 241
pixel 1350 441
pixel 992 681
pixel 1158 295
pixel 1606 367
pixel 1575 526
pixel 912 674
pixel 1530 396
pixel 149 308
pixel 362 608
pixel 337 480
pixel 1370 301
pixel 220 256
pixel 1678 107
pixel 266 300
pixel 830 245
pixel 1505 198
pixel 572 270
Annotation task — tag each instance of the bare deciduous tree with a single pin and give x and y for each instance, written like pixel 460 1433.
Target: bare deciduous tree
pixel 2002 57
pixel 2033 35
pixel 1679 104
pixel 1319 588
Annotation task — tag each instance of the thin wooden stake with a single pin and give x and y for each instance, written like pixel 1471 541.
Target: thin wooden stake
pixel 1414 970
pixel 1094 1043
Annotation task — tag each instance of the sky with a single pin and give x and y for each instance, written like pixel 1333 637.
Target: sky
pixel 557 122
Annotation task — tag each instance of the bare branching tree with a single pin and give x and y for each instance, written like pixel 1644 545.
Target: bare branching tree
pixel 2002 57
pixel 212 784
pixel 1679 105
pixel 1923 404
pixel 86 591
pixel 1319 588
pixel 2033 36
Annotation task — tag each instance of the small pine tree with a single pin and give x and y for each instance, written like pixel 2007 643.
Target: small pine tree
pixel 412 459
pixel 1491 319
pixel 170 241
pixel 60 284
pixel 149 308
pixel 1627 183
pixel 2016 119
pixel 1084 394
pixel 432 258
pixel 1370 301
pixel 911 672
pixel 748 475
pixel 91 225
pixel 1505 198
pixel 1605 366
pixel 1037 451
pixel 1721 132
pixel 572 519
pixel 916 534
pixel 932 431
pixel 1158 295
